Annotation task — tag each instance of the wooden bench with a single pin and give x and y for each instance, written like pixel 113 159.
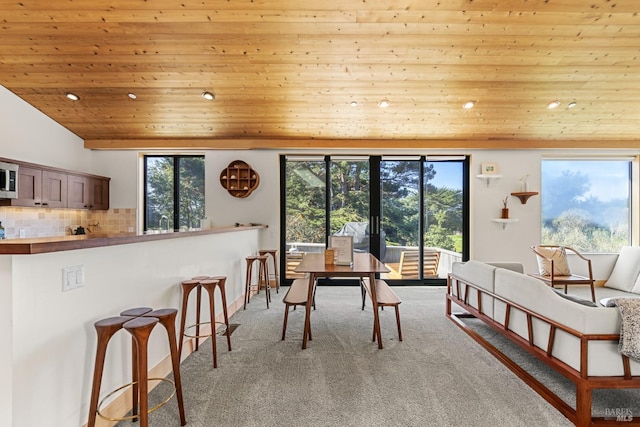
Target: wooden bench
pixel 295 296
pixel 386 298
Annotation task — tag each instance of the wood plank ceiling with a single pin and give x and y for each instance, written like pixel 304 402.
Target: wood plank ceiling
pixel 285 72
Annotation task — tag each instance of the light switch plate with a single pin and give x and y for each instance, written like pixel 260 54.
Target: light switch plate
pixel 72 277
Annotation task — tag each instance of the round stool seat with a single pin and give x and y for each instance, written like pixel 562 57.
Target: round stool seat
pixel 135 312
pixel 109 322
pixel 160 313
pixel 200 278
pixel 141 323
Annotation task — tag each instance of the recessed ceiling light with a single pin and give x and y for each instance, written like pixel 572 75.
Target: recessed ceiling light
pixel 208 96
pixel 572 104
pixel 132 95
pixel 384 103
pixel 468 105
pixel 553 104
pixel 73 96
pixel 354 103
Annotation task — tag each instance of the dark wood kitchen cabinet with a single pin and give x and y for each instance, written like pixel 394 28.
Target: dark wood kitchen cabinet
pixel 54 189
pixel 46 187
pixel 40 188
pixel 87 192
pixel 29 187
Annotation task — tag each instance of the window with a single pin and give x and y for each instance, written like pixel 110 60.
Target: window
pixel 586 203
pixel 409 211
pixel 173 192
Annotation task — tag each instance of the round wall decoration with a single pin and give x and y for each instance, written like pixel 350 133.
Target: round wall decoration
pixel 239 179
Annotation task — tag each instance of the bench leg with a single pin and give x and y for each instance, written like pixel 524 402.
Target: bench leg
pixel 398 322
pixel 286 318
pixel 284 323
pixel 396 306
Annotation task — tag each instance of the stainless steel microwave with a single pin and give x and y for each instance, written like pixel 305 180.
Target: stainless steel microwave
pixel 8 180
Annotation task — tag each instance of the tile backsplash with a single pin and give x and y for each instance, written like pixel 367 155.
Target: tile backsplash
pixel 40 222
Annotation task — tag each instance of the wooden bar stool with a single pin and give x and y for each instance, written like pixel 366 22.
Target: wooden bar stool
pixel 274 256
pixel 105 328
pixel 139 322
pixel 209 284
pixel 263 277
pixel 167 318
pixel 140 329
pixel 222 281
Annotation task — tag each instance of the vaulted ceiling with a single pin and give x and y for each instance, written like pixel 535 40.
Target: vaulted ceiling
pixel 286 72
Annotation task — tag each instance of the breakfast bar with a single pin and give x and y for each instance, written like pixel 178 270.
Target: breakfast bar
pixel 47 357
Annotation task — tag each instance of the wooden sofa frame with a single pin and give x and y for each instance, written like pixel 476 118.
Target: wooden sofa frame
pixel 585 384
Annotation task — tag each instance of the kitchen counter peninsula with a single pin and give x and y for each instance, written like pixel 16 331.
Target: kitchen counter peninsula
pixel 41 245
pixel 53 290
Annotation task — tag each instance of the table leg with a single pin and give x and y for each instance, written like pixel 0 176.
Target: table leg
pixel 307 314
pixel 374 303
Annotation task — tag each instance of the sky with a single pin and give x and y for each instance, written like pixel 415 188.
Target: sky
pixel 609 179
pixel 448 174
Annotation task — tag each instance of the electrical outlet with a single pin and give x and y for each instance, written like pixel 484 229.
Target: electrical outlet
pixel 72 277
pixel 23 233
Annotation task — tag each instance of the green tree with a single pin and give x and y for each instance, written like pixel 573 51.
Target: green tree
pixel 349 202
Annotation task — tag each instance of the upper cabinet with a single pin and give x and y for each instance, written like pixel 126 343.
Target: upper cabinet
pixel 54 189
pixel 88 192
pixel 51 188
pixel 29 188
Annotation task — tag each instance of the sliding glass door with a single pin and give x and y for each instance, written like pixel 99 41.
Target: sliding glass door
pixel 410 212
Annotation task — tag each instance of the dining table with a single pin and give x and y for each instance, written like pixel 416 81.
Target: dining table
pixel 364 265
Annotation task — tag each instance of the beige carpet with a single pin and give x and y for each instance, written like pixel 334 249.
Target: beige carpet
pixel 437 376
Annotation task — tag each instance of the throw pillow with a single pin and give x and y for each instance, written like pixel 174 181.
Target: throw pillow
pixel 626 270
pixel 559 257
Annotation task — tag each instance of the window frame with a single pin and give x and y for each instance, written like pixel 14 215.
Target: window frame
pixel 176 185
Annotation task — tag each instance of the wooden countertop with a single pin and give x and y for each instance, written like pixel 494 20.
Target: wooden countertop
pixel 43 245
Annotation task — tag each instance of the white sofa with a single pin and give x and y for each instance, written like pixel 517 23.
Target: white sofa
pixel 584 347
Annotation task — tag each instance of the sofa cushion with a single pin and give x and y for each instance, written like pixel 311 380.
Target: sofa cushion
pixel 559 257
pixel 576 299
pixel 476 272
pixel 626 270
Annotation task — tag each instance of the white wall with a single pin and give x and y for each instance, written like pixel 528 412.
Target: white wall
pixel 6 336
pixel 54 341
pixel 490 242
pixel 30 136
